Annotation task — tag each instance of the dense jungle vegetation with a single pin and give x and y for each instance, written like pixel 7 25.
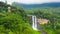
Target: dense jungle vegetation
pixel 15 21
pixel 52 14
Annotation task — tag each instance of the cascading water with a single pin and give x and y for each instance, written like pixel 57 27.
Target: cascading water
pixel 34 23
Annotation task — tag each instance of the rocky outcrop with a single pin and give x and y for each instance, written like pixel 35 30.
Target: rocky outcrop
pixel 42 21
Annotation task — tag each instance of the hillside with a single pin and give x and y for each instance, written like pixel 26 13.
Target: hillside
pixel 50 11
pixel 51 14
pixel 15 21
pixel 52 5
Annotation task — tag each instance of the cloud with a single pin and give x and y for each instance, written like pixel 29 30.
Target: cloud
pixel 31 1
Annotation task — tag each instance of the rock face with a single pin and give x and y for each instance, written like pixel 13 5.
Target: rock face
pixel 42 21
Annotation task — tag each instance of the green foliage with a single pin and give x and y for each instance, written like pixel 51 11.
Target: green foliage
pixel 11 23
pixel 14 22
pixel 52 14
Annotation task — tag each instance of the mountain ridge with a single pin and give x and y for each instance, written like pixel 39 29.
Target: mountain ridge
pixel 54 4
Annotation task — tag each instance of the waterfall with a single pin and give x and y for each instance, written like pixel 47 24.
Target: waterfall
pixel 34 23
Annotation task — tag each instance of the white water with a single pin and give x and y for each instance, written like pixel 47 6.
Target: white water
pixel 34 23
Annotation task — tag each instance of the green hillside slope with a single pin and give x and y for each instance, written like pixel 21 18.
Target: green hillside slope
pixel 14 22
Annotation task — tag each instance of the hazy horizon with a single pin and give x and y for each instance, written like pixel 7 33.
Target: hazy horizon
pixel 31 1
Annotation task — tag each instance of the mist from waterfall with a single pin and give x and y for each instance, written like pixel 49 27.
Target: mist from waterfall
pixel 34 23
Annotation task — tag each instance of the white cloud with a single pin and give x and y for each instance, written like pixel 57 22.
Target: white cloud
pixel 31 1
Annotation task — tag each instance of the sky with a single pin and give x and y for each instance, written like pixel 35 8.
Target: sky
pixel 30 1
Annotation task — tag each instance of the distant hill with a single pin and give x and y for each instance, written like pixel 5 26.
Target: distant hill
pixel 55 4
